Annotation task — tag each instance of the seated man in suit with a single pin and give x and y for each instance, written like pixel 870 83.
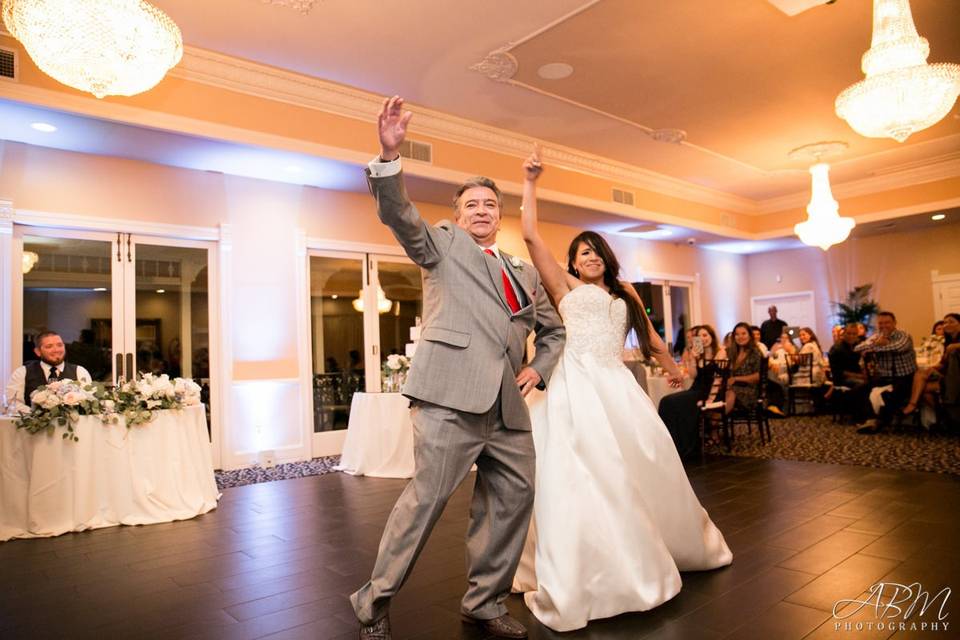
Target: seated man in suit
pixel 49 347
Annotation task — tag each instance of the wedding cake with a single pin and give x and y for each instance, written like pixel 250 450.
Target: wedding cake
pixel 411 346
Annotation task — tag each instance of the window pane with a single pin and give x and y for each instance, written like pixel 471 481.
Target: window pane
pixel 402 286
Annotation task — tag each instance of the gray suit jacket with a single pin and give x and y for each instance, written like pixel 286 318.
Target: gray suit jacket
pixel 471 344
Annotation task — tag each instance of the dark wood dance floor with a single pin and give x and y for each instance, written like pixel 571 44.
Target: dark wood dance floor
pixel 278 560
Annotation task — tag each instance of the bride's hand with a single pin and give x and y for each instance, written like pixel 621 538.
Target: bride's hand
pixel 532 167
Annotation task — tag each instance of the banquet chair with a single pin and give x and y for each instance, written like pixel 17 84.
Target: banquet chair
pixel 755 414
pixel 800 384
pixel 326 399
pixel 713 408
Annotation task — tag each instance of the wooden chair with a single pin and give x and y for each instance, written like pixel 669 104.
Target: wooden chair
pixel 755 414
pixel 713 409
pixel 799 380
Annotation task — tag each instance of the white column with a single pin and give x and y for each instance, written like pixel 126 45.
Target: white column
pixel 9 339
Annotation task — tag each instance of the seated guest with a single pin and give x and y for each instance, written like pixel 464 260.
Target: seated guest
pixel 810 344
pixel 926 381
pixel 777 375
pixel 49 347
pixel 744 357
pixel 931 347
pixel 692 351
pixel 764 351
pixel 680 410
pixel 896 363
pixel 845 361
pixel 847 372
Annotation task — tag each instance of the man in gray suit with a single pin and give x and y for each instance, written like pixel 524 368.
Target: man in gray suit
pixel 466 387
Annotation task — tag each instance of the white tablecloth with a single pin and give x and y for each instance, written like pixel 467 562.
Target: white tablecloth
pixel 158 472
pixel 379 439
pixel 659 386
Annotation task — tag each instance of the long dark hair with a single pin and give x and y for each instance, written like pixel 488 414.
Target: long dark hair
pixel 714 344
pixel 735 349
pixel 637 319
pixel 813 337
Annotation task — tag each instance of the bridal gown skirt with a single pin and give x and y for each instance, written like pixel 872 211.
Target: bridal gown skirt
pixel 615 517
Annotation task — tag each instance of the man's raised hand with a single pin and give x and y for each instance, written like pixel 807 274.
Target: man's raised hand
pixel 392 127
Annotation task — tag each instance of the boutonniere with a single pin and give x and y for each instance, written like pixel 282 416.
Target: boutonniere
pixel 516 263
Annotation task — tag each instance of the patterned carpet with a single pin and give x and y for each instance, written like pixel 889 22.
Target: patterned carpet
pixel 819 439
pixel 286 471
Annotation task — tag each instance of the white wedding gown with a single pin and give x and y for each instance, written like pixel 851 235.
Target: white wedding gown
pixel 615 517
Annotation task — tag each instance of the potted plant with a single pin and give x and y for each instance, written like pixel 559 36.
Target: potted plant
pixel 858 307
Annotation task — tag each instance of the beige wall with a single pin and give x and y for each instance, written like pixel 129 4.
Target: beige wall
pixel 897 264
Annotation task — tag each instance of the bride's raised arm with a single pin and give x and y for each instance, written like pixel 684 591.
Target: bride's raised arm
pixel 555 280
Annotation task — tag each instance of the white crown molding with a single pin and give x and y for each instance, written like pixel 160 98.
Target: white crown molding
pixel 907 175
pixel 250 78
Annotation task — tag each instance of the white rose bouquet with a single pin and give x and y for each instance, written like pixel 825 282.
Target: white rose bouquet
pixel 62 402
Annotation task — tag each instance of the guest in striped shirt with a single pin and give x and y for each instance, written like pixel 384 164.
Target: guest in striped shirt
pixel 895 363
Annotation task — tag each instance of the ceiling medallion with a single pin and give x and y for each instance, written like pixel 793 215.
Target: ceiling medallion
pixel 670 136
pixel 498 65
pixel 303 6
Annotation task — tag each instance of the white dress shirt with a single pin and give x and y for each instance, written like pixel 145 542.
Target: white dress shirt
pixel 15 385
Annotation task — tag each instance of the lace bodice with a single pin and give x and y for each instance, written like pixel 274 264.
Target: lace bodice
pixel 596 323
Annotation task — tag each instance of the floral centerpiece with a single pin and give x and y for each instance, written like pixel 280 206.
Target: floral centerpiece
pixel 139 398
pixel 395 372
pixel 931 349
pixel 61 403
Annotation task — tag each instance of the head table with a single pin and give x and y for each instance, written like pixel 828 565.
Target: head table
pixel 157 472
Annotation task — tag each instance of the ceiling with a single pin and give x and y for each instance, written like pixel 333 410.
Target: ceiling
pixel 745 85
pixel 746 82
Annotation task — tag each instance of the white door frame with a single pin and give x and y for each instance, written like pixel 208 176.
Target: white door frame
pixel 666 280
pixel 938 280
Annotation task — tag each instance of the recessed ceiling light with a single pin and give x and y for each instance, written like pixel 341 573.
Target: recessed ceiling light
pixel 161 290
pixel 45 127
pixel 938 216
pixel 100 289
pixel 334 296
pixel 555 71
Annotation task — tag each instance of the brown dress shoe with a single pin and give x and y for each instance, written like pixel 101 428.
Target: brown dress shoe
pixel 505 626
pixel 379 630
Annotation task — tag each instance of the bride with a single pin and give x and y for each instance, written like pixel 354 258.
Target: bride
pixel 615 518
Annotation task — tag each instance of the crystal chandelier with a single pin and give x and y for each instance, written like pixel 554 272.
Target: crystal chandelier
pixel 29 260
pixel 901 93
pixel 105 47
pixel 384 304
pixel 823 227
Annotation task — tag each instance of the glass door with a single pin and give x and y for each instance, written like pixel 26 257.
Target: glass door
pixel 400 306
pixel 362 309
pixel 168 305
pixel 124 305
pixel 669 305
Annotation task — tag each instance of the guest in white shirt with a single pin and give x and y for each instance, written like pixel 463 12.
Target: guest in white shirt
pixel 756 337
pixel 49 347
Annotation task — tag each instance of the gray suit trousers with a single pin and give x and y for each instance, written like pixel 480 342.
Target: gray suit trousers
pixel 446 444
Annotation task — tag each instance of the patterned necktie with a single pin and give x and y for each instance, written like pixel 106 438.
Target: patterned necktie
pixel 54 375
pixel 507 286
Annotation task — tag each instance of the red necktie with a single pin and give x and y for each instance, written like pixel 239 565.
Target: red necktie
pixel 507 286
